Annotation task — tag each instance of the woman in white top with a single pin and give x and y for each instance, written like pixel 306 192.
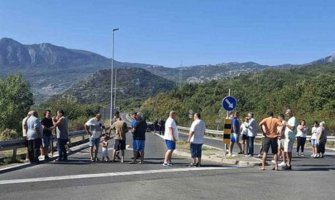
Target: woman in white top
pixel 314 139
pixel 301 137
pixel 244 132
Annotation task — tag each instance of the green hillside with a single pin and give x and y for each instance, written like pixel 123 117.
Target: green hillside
pixel 308 90
pixel 133 86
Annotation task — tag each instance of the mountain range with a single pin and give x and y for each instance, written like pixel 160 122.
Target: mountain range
pixel 52 69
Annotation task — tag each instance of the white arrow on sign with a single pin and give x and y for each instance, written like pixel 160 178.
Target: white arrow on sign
pixel 230 105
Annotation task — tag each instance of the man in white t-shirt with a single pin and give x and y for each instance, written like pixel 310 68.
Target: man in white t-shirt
pixel 196 138
pixel 24 132
pixel 94 128
pixel 290 132
pixel 171 135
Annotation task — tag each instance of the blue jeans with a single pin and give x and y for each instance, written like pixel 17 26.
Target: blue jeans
pixel 250 145
pixel 62 155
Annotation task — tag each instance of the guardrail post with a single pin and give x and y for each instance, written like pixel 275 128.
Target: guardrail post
pixel 14 154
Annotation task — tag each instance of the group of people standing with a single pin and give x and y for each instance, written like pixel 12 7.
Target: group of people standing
pixel 195 138
pixel 159 125
pixel 279 134
pixel 38 135
pixel 94 127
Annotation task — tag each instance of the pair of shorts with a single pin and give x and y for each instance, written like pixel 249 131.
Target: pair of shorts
pixel 119 144
pixel 94 142
pixel 244 137
pixel 234 137
pixel 46 140
pixel 25 141
pixel 138 145
pixel 196 150
pixel 270 142
pixel 288 145
pixel 170 145
pixel 314 142
pixel 104 152
pixel 281 143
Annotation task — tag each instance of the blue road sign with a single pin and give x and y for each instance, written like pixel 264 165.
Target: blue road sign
pixel 229 103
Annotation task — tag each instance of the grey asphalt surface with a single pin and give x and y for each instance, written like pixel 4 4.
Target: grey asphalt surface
pixel 309 179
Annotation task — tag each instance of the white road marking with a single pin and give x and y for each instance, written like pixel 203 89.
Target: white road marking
pixel 82 176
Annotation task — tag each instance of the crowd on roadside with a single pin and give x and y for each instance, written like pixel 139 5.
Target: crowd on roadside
pixel 38 135
pixel 280 134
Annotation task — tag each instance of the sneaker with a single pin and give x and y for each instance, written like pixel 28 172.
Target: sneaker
pixel 302 155
pixel 192 165
pixel 282 164
pixel 298 154
pixel 259 156
pixel 313 155
pixel 273 161
pixel 286 167
pixel 166 164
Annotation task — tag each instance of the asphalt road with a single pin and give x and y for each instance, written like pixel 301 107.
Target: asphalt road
pixel 81 179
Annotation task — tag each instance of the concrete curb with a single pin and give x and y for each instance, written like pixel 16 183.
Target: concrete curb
pixel 18 166
pixel 226 161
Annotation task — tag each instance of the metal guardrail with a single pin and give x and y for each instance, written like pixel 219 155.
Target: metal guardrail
pixel 259 135
pixel 20 143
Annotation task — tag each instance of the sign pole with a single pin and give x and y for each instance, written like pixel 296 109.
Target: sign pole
pixel 225 144
pixel 229 104
pixel 227 110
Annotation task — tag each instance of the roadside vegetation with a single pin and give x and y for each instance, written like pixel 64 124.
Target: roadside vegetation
pixel 308 90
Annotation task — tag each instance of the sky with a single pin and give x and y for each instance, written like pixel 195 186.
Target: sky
pixel 177 33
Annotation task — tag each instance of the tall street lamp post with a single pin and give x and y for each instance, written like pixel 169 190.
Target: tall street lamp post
pixel 112 70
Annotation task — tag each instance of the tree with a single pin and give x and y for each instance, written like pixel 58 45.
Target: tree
pixel 15 101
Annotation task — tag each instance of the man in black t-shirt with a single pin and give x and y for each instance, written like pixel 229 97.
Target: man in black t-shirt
pixel 47 126
pixel 139 139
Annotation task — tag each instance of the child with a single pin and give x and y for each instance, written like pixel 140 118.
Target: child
pixel 105 148
pixel 314 140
